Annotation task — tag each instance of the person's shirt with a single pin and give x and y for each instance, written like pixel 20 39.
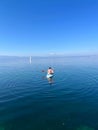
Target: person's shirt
pixel 50 71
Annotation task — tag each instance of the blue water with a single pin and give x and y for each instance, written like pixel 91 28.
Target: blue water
pixel 29 101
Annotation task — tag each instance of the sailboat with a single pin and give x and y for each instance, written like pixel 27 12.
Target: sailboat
pixel 30 59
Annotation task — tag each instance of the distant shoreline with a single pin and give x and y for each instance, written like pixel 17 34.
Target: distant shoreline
pixel 56 56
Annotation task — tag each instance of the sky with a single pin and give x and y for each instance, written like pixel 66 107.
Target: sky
pixel 48 27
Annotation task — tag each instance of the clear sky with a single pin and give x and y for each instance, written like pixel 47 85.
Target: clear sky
pixel 40 27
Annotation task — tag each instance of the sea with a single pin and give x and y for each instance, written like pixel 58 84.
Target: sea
pixel 30 101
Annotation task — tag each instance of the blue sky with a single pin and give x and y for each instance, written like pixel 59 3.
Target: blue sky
pixel 42 27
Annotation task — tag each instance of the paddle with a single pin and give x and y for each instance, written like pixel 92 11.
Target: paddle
pixel 43 70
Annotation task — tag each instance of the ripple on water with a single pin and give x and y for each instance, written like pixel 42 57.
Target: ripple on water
pixel 24 93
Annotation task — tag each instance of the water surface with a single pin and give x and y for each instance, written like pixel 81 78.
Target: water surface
pixel 29 102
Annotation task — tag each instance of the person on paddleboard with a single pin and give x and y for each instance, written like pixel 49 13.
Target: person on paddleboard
pixel 50 74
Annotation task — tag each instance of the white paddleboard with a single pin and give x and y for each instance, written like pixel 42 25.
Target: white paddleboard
pixel 49 75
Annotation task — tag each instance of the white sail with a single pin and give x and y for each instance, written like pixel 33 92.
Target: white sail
pixel 30 59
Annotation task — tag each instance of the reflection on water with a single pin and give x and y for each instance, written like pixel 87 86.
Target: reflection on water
pixel 50 80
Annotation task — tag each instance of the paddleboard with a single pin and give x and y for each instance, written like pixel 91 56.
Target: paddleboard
pixel 49 75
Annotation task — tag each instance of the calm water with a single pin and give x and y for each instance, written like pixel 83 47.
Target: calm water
pixel 28 101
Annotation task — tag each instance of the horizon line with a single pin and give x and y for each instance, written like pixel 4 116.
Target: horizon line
pixel 73 55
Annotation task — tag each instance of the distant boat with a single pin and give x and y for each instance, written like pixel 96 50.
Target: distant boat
pixel 30 59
